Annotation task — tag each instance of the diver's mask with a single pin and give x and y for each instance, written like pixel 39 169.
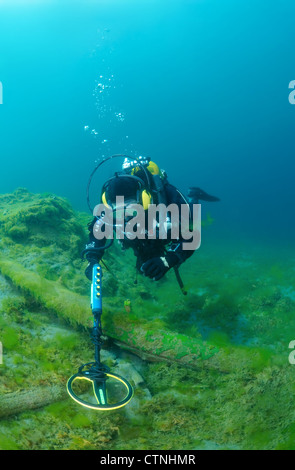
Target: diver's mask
pixel 125 210
pixel 128 197
pixel 132 188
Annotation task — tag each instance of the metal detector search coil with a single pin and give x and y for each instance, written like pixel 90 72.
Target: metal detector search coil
pixel 96 372
pixel 99 391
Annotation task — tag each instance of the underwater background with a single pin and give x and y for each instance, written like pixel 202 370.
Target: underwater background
pixel 201 87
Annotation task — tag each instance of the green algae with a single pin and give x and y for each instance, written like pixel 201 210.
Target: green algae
pixel 7 443
pixel 53 297
pixel 149 337
pixel 9 337
pixel 237 309
pixel 30 218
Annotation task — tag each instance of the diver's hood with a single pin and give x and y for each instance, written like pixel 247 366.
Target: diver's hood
pixel 126 186
pixel 130 187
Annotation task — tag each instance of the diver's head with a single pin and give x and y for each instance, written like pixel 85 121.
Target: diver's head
pixel 132 189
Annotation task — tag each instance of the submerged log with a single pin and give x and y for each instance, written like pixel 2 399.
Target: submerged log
pixel 37 397
pixel 151 340
pixel 53 296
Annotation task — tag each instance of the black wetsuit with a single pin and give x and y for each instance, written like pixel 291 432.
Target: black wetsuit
pixel 146 249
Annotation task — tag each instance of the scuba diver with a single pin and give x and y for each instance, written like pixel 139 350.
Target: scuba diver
pixel 142 182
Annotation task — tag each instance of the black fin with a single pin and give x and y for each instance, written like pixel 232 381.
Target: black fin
pixel 196 194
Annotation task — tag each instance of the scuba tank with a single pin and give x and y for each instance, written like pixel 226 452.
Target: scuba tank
pixel 157 178
pixel 159 189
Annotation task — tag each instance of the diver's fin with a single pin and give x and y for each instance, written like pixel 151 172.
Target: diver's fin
pixel 196 194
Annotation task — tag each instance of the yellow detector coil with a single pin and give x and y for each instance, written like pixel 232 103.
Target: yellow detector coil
pixel 100 393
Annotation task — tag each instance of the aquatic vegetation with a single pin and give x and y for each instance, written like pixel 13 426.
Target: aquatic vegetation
pixel 9 337
pixel 210 369
pixel 34 219
pixel 7 443
pixel 149 337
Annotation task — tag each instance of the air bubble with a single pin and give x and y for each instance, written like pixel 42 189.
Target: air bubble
pixel 120 116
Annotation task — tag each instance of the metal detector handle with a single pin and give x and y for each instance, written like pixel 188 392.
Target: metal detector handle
pixel 96 294
pixel 96 307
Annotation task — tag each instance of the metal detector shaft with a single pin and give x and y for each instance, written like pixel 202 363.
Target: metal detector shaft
pixel 96 307
pixel 96 372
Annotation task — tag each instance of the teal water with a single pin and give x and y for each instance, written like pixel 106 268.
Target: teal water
pixel 201 87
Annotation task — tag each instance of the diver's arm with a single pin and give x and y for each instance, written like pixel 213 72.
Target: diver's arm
pixel 175 255
pixel 158 266
pixel 94 244
pixel 176 248
pixel 94 249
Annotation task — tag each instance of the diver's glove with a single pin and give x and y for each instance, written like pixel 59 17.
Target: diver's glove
pixel 156 268
pixel 88 270
pixel 93 257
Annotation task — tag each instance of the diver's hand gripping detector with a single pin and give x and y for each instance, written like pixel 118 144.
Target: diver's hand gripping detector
pixel 96 372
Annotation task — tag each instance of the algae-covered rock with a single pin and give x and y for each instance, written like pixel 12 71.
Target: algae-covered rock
pixel 40 220
pixel 14 403
pixel 45 235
